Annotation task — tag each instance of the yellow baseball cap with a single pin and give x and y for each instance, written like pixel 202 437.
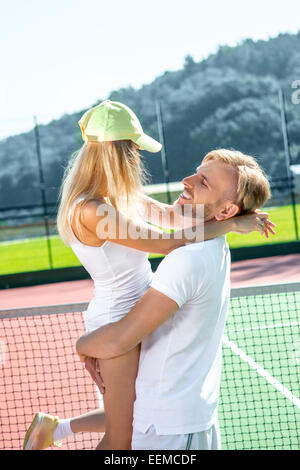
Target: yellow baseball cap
pixel 111 120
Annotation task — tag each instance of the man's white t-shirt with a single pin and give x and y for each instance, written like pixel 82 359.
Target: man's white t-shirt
pixel 177 386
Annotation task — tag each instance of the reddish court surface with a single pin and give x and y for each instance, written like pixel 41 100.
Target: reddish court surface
pixel 273 270
pixel 259 271
pixel 40 371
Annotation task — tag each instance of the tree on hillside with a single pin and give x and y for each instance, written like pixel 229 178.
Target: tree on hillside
pixel 229 99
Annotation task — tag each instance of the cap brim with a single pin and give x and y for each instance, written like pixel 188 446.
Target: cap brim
pixel 147 143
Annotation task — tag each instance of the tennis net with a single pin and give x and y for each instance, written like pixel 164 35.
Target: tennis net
pixel 259 395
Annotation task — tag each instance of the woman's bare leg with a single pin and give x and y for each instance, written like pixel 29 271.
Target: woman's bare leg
pixel 119 376
pixel 93 421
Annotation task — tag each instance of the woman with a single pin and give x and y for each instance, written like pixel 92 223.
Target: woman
pixel 100 218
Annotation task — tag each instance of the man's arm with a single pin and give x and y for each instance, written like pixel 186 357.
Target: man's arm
pixel 118 338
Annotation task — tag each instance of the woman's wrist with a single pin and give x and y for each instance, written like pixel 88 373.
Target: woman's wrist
pixel 216 228
pixel 207 231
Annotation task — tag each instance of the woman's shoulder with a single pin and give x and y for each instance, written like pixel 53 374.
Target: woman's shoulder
pixel 87 211
pixel 85 219
pixel 88 208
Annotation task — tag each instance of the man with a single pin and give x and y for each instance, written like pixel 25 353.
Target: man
pixel 181 318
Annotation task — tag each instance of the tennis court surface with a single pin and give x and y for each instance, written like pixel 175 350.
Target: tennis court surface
pixel 259 400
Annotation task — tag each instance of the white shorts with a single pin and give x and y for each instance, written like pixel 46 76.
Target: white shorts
pixel 204 440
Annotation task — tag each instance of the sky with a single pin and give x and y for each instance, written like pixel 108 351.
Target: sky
pixel 61 56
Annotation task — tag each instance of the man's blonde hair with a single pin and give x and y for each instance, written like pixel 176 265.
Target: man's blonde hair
pixel 253 189
pixel 109 171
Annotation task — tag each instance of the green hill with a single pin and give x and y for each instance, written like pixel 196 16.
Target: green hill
pixel 227 100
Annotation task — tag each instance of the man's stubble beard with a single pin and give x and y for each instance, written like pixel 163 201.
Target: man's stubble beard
pixel 197 213
pixel 208 211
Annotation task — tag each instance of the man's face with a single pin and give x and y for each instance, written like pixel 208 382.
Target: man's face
pixel 214 185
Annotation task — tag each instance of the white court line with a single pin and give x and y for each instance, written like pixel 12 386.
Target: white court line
pixel 265 327
pixel 261 371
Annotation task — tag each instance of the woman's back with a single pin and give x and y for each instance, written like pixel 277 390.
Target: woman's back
pixel 121 275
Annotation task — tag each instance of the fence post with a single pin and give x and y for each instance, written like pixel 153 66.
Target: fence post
pixel 43 191
pixel 288 157
pixel 164 159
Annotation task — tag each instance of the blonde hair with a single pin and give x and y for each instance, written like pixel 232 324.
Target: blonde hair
pixel 109 171
pixel 253 189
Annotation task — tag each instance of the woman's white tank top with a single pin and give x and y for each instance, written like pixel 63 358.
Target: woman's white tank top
pixel 121 275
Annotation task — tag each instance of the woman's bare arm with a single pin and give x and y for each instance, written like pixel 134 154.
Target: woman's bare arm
pixel 100 222
pixel 164 215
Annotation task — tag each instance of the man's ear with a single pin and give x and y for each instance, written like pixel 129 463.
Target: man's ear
pixel 229 211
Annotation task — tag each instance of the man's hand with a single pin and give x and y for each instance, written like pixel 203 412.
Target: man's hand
pixel 92 366
pixel 82 357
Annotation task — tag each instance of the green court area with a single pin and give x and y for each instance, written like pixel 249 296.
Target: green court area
pixel 259 404
pixel 32 254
